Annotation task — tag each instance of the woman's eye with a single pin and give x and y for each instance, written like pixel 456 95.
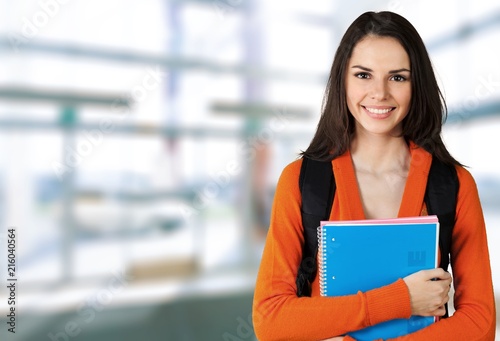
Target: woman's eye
pixel 398 78
pixel 362 75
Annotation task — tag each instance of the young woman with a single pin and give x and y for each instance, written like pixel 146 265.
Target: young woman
pixel 380 127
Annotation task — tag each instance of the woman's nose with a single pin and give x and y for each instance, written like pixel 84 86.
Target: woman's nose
pixel 379 90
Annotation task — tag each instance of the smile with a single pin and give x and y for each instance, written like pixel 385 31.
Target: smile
pixel 379 111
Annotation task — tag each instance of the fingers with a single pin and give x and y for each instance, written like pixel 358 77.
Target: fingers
pixel 437 306
pixel 441 290
pixel 441 300
pixel 429 291
pixel 441 311
pixel 438 273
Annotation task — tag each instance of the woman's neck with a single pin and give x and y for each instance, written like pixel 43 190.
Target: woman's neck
pixel 379 154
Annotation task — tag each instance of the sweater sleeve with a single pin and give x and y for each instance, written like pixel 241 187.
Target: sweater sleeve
pixel 474 318
pixel 278 314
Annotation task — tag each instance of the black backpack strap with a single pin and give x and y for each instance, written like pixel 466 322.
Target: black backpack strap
pixel 441 200
pixel 317 186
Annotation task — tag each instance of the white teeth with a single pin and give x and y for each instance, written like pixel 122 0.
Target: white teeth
pixel 378 111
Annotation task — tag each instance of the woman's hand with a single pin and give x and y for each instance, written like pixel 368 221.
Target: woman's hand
pixel 428 291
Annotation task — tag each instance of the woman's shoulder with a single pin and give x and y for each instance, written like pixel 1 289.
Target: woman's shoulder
pixel 292 170
pixel 466 183
pixel 289 178
pixel 293 167
pixel 465 177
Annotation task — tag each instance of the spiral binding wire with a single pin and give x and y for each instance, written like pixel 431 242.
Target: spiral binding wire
pixel 322 260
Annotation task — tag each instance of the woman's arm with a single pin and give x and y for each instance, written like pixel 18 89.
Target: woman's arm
pixel 474 317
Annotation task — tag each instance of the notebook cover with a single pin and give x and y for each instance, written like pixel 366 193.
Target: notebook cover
pixel 363 255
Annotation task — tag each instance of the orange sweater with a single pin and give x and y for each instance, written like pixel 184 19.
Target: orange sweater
pixel 278 314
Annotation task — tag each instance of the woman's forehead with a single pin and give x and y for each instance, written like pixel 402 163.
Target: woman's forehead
pixel 380 53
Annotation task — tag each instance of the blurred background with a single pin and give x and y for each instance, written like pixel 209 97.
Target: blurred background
pixel 140 145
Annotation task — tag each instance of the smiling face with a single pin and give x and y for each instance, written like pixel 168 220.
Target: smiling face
pixel 378 86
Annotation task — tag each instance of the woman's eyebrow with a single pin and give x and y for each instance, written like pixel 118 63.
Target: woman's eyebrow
pixel 399 70
pixel 362 68
pixel 390 72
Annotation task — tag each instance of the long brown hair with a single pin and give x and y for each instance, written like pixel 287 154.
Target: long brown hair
pixel 427 110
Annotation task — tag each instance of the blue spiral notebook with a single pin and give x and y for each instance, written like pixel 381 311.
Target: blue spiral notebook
pixel 366 254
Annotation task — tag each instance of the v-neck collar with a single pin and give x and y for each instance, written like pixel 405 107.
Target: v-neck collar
pixel 348 194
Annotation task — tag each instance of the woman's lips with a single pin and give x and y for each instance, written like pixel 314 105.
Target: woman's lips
pixel 378 112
